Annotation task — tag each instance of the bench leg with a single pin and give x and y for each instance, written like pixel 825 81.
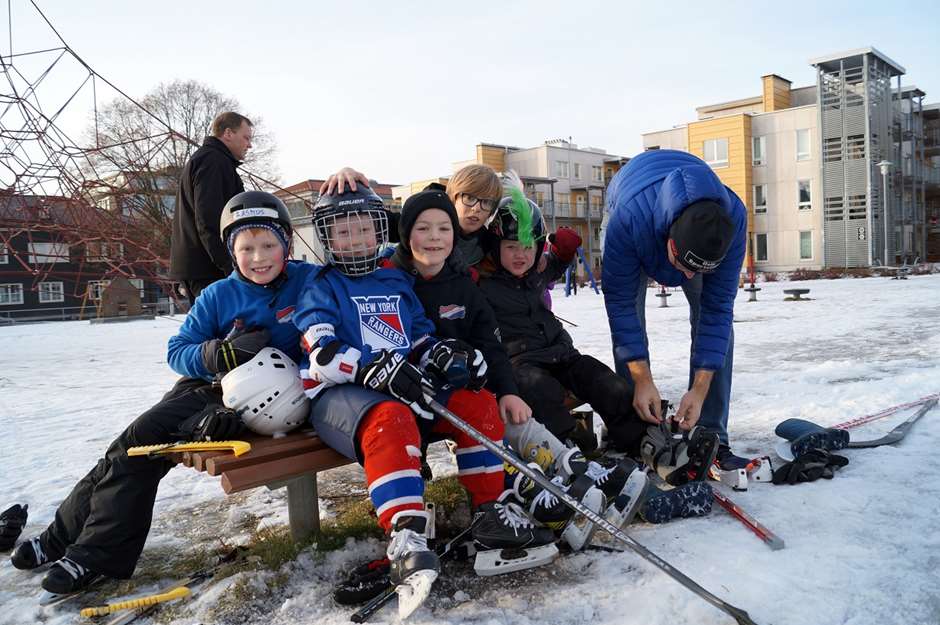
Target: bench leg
pixel 303 510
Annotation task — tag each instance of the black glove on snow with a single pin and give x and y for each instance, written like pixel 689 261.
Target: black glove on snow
pixel 223 355
pixel 810 466
pixel 213 423
pixel 391 373
pixel 12 521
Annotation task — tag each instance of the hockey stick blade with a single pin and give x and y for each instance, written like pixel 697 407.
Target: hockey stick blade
pixel 739 615
pixel 899 431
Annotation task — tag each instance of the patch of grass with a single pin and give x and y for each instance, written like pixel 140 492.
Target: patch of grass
pixel 446 493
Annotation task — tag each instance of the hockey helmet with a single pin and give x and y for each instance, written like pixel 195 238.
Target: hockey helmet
pixel 267 393
pixel 255 208
pixel 517 218
pixel 353 229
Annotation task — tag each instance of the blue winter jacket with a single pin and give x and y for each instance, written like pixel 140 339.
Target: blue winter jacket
pixel 375 312
pixel 644 199
pixel 224 301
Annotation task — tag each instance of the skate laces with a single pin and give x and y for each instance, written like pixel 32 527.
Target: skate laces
pixel 598 473
pixel 511 514
pixel 406 541
pixel 38 553
pixel 545 498
pixel 73 568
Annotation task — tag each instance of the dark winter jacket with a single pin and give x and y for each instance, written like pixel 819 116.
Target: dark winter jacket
pixel 222 302
pixel 644 199
pixel 208 181
pixel 530 332
pixel 459 310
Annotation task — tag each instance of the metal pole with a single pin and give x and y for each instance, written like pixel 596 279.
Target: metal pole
pixel 884 165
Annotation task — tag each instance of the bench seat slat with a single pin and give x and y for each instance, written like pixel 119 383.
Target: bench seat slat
pixel 219 464
pixel 253 476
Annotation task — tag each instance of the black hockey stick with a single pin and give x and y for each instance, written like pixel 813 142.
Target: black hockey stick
pixel 899 430
pixel 738 614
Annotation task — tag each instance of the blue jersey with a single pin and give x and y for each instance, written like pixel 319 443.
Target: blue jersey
pixel 218 306
pixel 375 312
pixel 644 199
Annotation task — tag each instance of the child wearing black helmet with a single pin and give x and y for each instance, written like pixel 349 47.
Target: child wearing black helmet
pixel 100 528
pixel 373 361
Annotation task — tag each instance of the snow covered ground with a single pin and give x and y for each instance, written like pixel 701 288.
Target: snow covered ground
pixel 862 549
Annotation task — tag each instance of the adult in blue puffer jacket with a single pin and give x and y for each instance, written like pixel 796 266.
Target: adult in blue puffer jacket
pixel 671 219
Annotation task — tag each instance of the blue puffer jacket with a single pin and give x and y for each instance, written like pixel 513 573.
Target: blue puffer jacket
pixel 644 199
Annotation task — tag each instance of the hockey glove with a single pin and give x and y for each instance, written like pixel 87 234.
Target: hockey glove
pixel 477 366
pixel 212 423
pixel 391 373
pixel 448 361
pixel 809 467
pixel 223 355
pixel 334 363
pixel 564 244
pixel 12 521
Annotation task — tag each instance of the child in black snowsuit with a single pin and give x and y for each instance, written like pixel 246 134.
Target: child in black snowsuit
pixel 544 360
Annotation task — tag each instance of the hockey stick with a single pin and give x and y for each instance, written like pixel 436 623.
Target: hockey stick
pixel 738 614
pixel 773 541
pixel 881 414
pixel 133 604
pixel 898 432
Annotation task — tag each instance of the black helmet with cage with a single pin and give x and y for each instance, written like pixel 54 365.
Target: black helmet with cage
pixel 353 228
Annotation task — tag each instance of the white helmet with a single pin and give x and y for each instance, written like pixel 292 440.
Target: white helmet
pixel 267 393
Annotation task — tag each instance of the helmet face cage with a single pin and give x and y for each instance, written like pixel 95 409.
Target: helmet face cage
pixel 353 239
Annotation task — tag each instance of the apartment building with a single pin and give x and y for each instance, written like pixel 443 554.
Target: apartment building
pixel 568 182
pixel 805 160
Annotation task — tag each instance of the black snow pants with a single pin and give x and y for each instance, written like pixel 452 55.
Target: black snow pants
pixel 104 521
pixel 542 386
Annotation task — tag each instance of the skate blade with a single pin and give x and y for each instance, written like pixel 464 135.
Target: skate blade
pixel 629 501
pixel 783 449
pixel 498 561
pixel 413 591
pixel 580 529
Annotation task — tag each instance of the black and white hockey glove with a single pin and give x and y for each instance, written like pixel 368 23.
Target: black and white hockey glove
pixel 809 467
pixel 12 521
pixel 448 360
pixel 223 355
pixel 391 373
pixel 212 423
pixel 477 366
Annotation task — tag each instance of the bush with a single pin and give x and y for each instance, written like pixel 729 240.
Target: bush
pixel 770 276
pixel 923 269
pixel 804 274
pixel 832 273
pixel 859 272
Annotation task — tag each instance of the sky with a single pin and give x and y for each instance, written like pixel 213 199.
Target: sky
pixel 403 90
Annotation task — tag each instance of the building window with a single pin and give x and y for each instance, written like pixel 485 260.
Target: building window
pixel 51 292
pixel 758 151
pixel 760 199
pixel 4 255
pixel 561 169
pixel 139 283
pixel 540 198
pixel 48 252
pixel 716 152
pixel 577 171
pixel 103 251
pixel 579 204
pixel 96 288
pixel 802 145
pixel 597 173
pixel 805 199
pixel 855 146
pixel 806 245
pixel 11 294
pixel 760 247
pixel 563 204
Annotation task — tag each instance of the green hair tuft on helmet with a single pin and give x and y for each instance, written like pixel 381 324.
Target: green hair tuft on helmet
pixel 523 214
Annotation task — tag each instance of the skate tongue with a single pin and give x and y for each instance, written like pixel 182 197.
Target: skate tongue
pixel 413 591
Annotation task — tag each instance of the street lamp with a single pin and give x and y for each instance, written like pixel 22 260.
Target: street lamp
pixel 885 165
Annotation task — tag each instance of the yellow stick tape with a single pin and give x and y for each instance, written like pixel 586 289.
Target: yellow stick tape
pixel 143 602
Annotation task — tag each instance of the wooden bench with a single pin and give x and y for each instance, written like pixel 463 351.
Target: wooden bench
pixel 795 295
pixel 292 461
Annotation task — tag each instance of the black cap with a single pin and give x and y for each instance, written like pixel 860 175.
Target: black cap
pixel 702 235
pixel 417 204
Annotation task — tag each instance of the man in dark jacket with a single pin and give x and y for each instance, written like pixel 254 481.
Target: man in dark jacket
pixel 209 179
pixel 671 219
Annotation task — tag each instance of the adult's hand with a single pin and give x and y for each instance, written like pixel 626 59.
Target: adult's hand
pixel 514 410
pixel 646 399
pixel 690 407
pixel 343 179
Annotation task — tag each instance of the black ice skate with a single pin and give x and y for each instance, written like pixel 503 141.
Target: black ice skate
pixel 414 567
pixel 29 555
pixel 508 540
pixel 65 579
